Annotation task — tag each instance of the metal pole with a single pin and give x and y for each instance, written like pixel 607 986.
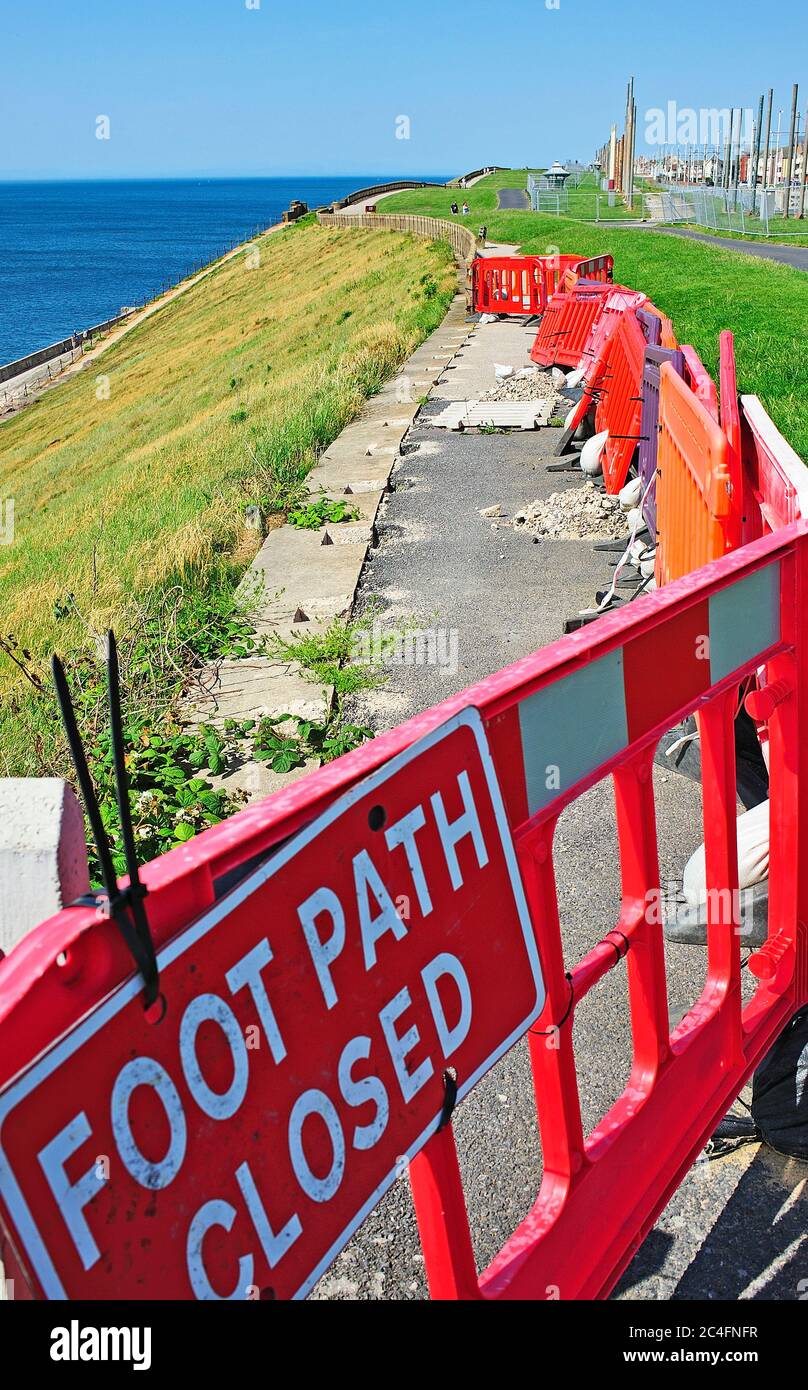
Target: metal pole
pixel 801 208
pixel 791 137
pixel 768 138
pixel 753 173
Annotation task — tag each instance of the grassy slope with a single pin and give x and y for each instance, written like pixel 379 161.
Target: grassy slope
pixel 702 287
pixel 215 403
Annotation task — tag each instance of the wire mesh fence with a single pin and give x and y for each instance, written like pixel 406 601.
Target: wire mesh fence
pixel 752 212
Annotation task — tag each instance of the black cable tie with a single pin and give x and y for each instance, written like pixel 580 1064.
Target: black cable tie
pixel 621 955
pixel 124 908
pixel 449 1097
pixel 554 1027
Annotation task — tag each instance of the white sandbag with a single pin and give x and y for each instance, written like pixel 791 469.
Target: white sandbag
pixel 634 519
pixel 558 378
pixel 568 417
pixel 629 496
pixel 502 372
pixel 753 856
pixel 592 453
pixel 647 568
pixel 487 318
pixel 575 378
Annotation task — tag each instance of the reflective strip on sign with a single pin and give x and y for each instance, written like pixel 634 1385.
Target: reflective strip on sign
pixel 744 621
pixel 569 728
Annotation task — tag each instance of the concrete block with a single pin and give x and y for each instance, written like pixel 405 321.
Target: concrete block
pixel 43 853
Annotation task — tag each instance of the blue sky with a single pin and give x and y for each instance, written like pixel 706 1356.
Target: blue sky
pixel 216 87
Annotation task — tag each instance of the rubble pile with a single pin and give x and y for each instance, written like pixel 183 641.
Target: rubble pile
pixel 579 513
pixel 528 385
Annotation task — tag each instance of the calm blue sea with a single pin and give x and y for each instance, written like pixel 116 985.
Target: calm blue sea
pixel 71 254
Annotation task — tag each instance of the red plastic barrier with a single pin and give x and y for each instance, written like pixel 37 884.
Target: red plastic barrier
pixel 776 477
pixel 554 268
pixel 618 302
pixel 566 325
pixel 586 707
pixel 597 268
pixel 620 405
pixel 699 493
pixel 508 285
pixel 728 382
pixel 700 381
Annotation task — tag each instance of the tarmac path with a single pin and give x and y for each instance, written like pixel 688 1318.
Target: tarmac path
pixel 733 1229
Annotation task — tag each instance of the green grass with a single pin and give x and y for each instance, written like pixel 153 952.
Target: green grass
pixel 703 288
pixel 482 200
pixel 133 478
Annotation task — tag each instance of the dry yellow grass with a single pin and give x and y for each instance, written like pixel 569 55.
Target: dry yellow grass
pixel 223 395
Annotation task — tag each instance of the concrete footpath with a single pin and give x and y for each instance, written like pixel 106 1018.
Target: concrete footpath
pixel 735 1228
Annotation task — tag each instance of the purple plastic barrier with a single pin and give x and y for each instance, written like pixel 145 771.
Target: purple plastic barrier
pixel 651 326
pixel 649 422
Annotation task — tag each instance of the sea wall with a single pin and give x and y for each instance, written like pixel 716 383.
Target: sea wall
pixel 45 354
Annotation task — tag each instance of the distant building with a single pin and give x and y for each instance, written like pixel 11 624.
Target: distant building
pixel 557 175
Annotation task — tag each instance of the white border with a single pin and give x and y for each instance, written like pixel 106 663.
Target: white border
pixel 17 1092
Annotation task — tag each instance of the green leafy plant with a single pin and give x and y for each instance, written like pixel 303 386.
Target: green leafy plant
pixel 320 513
pixel 329 657
pixel 284 750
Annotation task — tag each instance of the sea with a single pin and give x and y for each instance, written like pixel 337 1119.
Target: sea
pixel 72 254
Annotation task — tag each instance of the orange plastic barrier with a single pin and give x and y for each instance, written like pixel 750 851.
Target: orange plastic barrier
pixel 508 285
pixel 699 503
pixel 566 325
pixel 700 381
pixel 597 268
pixel 620 406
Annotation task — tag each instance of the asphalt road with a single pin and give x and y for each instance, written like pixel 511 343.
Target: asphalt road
pixel 734 1227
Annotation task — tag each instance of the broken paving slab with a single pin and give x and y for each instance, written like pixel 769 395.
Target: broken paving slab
pixel 363 474
pixel 296 571
pixel 257 688
pixel 347 533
